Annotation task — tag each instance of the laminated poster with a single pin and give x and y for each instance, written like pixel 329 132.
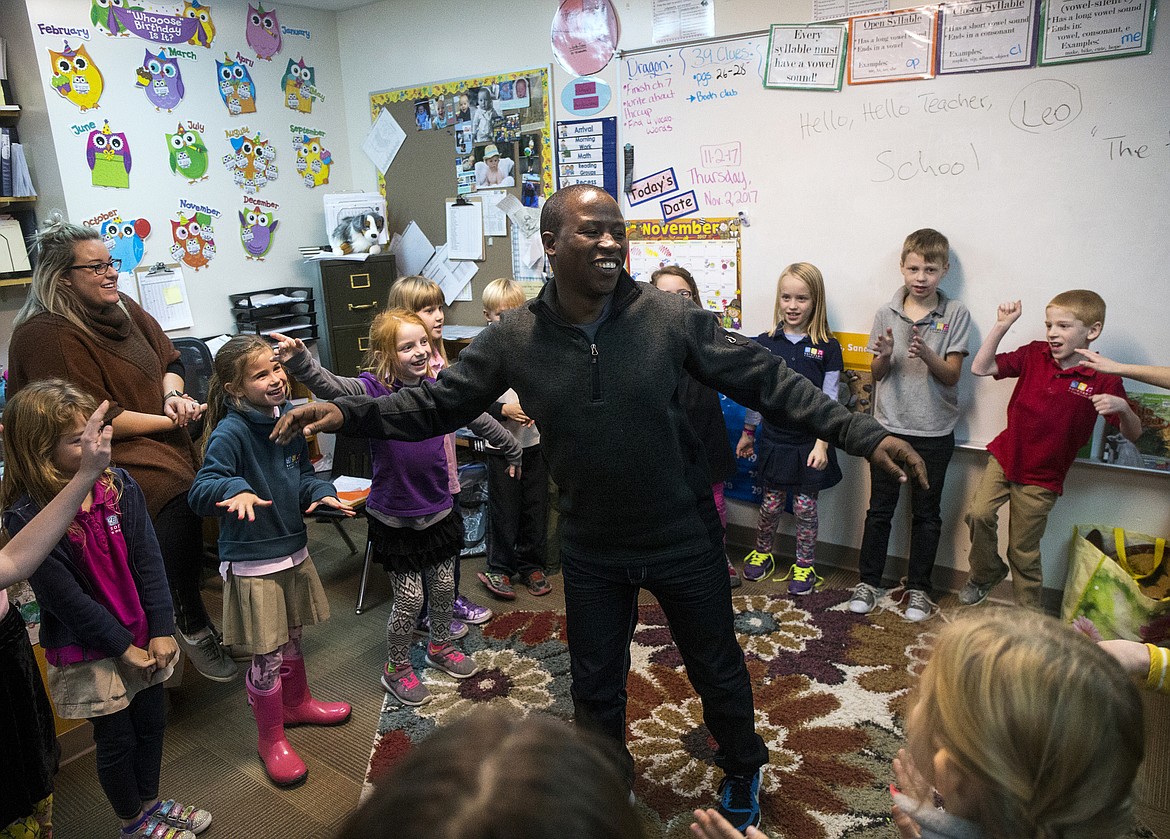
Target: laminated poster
pixel 892 47
pixel 191 25
pixel 313 159
pixel 75 77
pixel 194 238
pixel 262 32
pixel 161 80
pixel 299 86
pixel 236 88
pixel 252 160
pixel 257 227
pixel 126 239
pixel 107 154
pixel 188 155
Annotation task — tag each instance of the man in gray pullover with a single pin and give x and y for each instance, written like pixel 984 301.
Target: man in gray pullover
pixel 596 360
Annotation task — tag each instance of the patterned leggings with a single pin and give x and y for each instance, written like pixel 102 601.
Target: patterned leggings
pixel 804 507
pixel 408 600
pixel 266 668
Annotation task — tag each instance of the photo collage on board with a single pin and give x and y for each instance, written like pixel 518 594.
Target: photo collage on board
pixel 497 131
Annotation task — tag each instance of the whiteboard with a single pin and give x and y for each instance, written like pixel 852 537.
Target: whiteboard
pixel 1044 179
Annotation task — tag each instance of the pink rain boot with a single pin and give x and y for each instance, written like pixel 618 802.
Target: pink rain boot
pixel 300 708
pixel 283 765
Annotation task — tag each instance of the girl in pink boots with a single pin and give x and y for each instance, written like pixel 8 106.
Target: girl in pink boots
pixel 271 589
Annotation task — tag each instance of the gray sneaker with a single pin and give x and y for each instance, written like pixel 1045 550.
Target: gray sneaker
pixel 919 607
pixel 972 594
pixel 452 662
pixel 207 656
pixel 404 685
pixel 864 599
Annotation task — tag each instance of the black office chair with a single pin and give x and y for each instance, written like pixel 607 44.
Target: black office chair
pixel 196 358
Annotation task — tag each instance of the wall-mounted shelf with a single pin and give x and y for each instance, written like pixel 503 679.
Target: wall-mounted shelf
pixel 15 281
pixel 17 199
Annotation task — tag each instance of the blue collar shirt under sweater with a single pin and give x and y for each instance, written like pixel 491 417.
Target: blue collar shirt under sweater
pixel 241 458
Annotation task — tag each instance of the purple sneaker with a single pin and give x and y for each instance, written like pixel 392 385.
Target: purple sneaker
pixel 470 612
pixel 423 627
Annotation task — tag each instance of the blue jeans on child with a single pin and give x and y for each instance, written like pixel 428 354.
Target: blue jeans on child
pixel 601 610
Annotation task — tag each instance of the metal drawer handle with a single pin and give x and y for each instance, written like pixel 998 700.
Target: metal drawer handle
pixel 354 308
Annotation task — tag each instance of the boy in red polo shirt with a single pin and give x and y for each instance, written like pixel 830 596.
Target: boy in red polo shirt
pixel 1049 417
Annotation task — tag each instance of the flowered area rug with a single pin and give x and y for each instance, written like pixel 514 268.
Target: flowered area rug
pixel 829 690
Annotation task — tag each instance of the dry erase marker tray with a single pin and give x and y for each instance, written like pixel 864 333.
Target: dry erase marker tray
pixel 270 303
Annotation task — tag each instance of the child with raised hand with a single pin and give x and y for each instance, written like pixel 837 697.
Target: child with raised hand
pixel 918 340
pixel 260 491
pixel 703 408
pixel 1051 414
pixel 107 618
pixel 1025 728
pixel 26 776
pixel 413 529
pixel 517 510
pixel 791 461
pixel 425 298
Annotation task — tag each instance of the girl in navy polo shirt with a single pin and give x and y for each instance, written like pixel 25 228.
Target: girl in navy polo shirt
pixel 790 462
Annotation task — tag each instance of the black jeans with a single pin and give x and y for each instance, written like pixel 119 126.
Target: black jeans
pixel 601 609
pixel 180 538
pixel 517 515
pixel 128 747
pixel 925 511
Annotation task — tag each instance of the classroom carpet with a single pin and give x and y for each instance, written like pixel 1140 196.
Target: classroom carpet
pixel 830 692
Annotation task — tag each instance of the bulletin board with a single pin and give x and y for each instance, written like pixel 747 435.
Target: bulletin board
pixel 1044 179
pixel 438 159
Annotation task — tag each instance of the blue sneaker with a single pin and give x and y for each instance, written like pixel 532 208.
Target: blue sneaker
pixel 739 800
pixel 758 566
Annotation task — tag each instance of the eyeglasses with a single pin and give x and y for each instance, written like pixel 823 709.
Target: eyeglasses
pixel 99 268
pixel 685 294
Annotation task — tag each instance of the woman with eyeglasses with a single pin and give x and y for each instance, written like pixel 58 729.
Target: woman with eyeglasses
pixel 75 325
pixel 702 405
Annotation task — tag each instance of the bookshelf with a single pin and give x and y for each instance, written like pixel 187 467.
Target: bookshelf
pixel 9 117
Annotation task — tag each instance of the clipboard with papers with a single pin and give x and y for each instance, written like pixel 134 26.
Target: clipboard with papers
pixel 162 292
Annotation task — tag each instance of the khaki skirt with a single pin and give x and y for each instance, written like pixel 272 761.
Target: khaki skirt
pixel 90 689
pixel 257 611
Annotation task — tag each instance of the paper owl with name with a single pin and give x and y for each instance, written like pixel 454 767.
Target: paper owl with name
pixel 200 12
pixel 75 77
pixel 188 154
pixel 313 160
pixel 256 230
pixel 108 155
pixel 194 240
pixel 299 86
pixel 252 162
pixel 161 79
pixel 263 32
pixel 236 87
pixel 125 239
pixel 101 15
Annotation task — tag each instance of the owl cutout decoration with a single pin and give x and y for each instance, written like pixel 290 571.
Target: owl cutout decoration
pixel 252 162
pixel 313 160
pixel 161 79
pixel 200 12
pixel 75 77
pixel 101 15
pixel 125 239
pixel 299 86
pixel 263 32
pixel 257 228
pixel 108 155
pixel 194 240
pixel 236 87
pixel 188 154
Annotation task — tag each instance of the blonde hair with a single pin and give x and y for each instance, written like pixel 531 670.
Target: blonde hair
pixel 928 243
pixel 502 294
pixel 818 321
pixel 229 368
pixel 54 246
pixel 382 357
pixel 1088 306
pixel 35 419
pixel 414 294
pixel 1043 726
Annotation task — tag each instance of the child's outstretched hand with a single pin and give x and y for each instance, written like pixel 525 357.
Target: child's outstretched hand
pixel 883 347
pixel 709 824
pixel 329 501
pixel 285 348
pixel 96 441
pixel 746 446
pixel 1107 404
pixel 1098 362
pixel 244 504
pixel 1009 313
pixel 908 780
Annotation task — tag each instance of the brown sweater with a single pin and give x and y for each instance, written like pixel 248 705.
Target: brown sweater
pixel 128 372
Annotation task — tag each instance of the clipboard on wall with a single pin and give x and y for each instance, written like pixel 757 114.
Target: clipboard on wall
pixel 162 292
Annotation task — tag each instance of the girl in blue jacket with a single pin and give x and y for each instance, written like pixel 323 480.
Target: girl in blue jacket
pixel 107 620
pixel 271 589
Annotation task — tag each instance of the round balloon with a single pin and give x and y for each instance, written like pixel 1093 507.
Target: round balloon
pixel 585 35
